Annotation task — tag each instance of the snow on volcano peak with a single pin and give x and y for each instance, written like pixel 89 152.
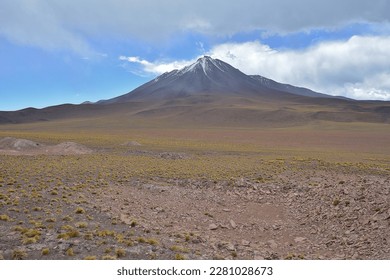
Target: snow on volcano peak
pixel 204 63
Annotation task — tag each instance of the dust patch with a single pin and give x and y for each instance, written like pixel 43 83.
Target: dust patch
pixel 15 146
pixel 131 143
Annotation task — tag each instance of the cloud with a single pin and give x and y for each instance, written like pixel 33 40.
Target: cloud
pixel 36 23
pixel 358 68
pixel 157 67
pixel 74 24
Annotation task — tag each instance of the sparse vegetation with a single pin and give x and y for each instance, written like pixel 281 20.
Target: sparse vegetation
pixel 45 251
pixel 120 253
pixel 90 258
pixel 70 252
pixel 19 255
pixel 81 225
pixel 79 199
pixel 152 241
pixel 180 257
pixel 109 257
pixel 176 248
pixel 141 240
pixel 5 218
pixel 80 210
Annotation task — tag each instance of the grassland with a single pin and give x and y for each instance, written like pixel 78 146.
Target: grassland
pixel 154 192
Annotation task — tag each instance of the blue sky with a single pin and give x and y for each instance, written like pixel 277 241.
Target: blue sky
pixel 54 52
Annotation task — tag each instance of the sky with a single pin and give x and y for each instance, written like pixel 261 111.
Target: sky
pixel 55 52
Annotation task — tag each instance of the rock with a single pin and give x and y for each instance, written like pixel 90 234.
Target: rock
pixel 197 240
pixel 126 219
pixel 387 216
pixel 245 243
pixel 276 227
pixel 258 256
pixel 37 247
pixel 355 256
pixel 233 224
pixel 213 227
pixel 299 239
pixel 230 247
pixel 272 244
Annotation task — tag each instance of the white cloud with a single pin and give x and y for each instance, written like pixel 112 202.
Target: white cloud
pixel 358 68
pixel 157 67
pixel 37 23
pixel 71 24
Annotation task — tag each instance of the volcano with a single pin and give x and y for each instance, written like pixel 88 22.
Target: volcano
pixel 211 77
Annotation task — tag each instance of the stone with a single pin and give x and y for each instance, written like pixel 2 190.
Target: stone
pixel 233 224
pixel 276 227
pixel 299 239
pixel 230 247
pixel 126 219
pixel 245 243
pixel 258 256
pixel 272 244
pixel 213 227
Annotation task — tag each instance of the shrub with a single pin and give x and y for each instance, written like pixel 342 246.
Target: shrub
pixel 19 255
pixel 120 252
pixel 30 240
pixel 179 257
pixel 80 210
pixel 108 257
pixel 70 252
pixel 152 241
pixel 141 240
pixel 45 251
pixel 5 218
pixel 81 225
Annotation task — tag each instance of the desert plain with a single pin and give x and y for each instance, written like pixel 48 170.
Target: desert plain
pixel 72 189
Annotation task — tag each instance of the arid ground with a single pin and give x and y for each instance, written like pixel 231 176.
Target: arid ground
pixel 320 191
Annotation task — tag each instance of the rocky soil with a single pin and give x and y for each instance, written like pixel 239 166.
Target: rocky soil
pixel 319 216
pixel 312 213
pixel 338 217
